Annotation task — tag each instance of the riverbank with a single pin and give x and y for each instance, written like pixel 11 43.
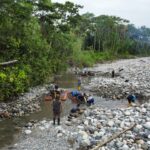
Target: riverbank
pixel 130 76
pixel 27 103
pixel 86 131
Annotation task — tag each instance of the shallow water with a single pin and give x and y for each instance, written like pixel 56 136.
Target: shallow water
pixel 10 128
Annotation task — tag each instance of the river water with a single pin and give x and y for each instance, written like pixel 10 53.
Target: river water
pixel 10 128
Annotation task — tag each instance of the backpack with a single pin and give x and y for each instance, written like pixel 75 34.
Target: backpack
pixel 56 106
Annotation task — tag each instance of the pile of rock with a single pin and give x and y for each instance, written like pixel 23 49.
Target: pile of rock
pixel 95 125
pixel 133 76
pixel 26 104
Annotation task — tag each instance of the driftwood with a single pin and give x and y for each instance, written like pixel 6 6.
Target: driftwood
pixel 101 143
pixel 8 63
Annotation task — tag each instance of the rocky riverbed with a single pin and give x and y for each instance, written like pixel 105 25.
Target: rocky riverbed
pixel 94 124
pixel 25 104
pixel 87 130
pixel 131 76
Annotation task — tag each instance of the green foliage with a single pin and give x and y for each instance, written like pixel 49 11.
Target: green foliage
pixel 13 81
pixel 45 37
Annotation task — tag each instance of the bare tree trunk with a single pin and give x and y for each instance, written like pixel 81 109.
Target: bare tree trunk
pixel 8 63
pixel 101 143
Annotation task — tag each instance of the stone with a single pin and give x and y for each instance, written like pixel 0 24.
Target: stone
pixel 59 135
pixel 68 123
pixel 80 127
pixel 148 142
pixel 147 125
pixel 140 142
pixel 139 126
pixel 119 144
pixel 83 139
pixel 41 128
pixel 145 146
pixel 27 132
pixel 110 123
pixel 127 113
pixel 125 147
pixel 143 110
pixel 86 122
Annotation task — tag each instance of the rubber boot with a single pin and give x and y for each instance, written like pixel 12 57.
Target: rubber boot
pixel 53 121
pixel 58 121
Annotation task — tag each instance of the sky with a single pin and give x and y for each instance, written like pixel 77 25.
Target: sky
pixel 136 11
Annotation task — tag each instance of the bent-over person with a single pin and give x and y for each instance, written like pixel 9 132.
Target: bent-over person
pixel 57 109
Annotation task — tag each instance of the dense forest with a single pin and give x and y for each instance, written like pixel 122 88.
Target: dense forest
pixel 45 38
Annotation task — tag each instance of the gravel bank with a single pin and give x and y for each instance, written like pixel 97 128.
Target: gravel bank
pixel 87 130
pixel 131 76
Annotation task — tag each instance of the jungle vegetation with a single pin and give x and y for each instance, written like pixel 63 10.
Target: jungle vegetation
pixel 47 37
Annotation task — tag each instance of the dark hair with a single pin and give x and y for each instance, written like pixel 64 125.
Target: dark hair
pixel 56 86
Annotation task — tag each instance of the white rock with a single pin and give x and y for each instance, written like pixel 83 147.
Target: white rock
pixel 125 147
pixel 41 128
pixel 86 122
pixel 143 110
pixel 68 123
pixel 80 127
pixel 138 126
pixel 43 121
pixel 47 125
pixel 148 142
pixel 102 148
pixel 83 139
pixel 131 119
pixel 140 142
pixel 127 113
pixel 119 144
pixel 59 135
pixel 122 125
pixel 27 131
pixel 110 123
pixel 147 125
pixel 74 120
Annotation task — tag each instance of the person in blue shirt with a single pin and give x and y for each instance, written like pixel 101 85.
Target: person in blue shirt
pixel 131 99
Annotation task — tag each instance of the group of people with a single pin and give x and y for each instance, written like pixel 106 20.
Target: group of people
pixel 77 98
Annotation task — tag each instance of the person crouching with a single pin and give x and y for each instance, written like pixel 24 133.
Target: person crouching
pixel 131 99
pixel 90 100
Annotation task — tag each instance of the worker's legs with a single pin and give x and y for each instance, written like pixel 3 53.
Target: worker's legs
pixel 129 102
pixel 79 87
pixel 58 118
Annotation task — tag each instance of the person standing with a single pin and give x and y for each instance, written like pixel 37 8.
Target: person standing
pixel 57 109
pixel 79 84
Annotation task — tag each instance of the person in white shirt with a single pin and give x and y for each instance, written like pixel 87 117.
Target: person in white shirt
pixel 90 100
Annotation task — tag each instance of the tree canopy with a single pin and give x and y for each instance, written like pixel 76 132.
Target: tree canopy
pixel 46 37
